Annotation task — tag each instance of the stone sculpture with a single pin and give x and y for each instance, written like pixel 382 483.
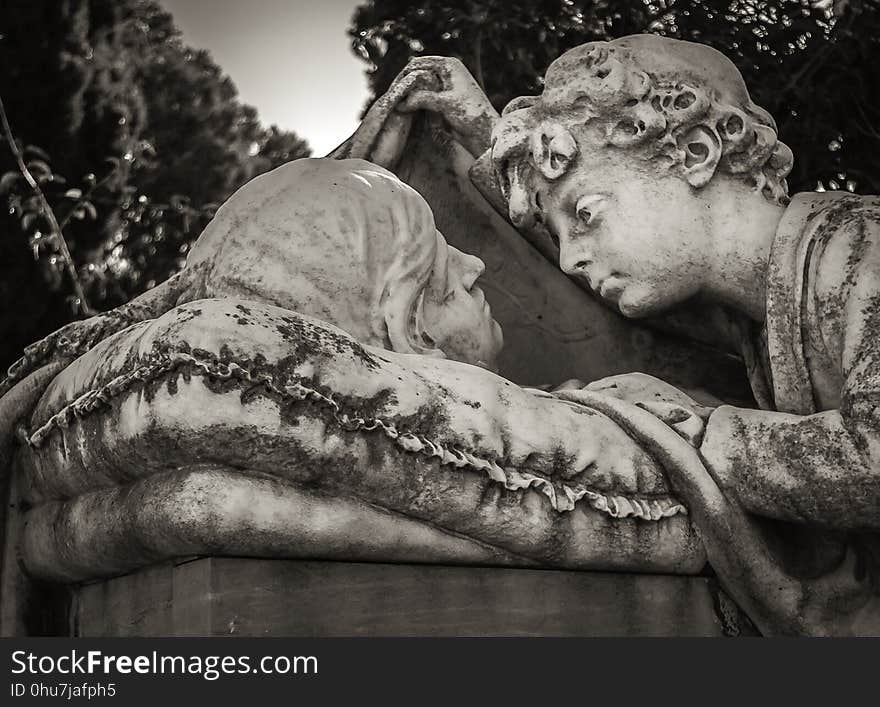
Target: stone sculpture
pixel 237 426
pixel 344 241
pixel 661 182
pixel 231 427
pixel 647 168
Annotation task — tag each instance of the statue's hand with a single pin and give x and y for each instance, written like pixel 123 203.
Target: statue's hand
pixel 62 345
pixel 666 402
pixel 456 96
pixel 641 387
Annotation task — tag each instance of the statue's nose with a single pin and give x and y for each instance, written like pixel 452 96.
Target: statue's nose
pixel 575 265
pixel 572 260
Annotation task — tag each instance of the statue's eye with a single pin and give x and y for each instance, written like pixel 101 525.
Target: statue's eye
pixel 585 215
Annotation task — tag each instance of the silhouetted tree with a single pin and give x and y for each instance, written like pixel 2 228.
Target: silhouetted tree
pixel 138 138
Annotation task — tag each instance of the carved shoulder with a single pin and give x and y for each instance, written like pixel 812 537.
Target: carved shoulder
pixel 845 287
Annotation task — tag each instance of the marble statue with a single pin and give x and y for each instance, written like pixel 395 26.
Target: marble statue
pixel 318 381
pixel 344 241
pixel 318 387
pixel 661 183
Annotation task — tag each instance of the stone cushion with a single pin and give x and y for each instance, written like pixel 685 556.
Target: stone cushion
pixel 240 417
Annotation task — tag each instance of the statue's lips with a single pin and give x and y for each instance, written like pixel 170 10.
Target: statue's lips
pixel 610 287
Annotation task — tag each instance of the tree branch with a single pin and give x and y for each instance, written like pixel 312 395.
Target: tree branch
pixel 57 233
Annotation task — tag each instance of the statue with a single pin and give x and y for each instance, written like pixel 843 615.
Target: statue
pixel 347 242
pixel 662 183
pixel 259 403
pixel 231 424
pixel 344 241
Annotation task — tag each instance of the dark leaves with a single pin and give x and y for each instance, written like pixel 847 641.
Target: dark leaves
pixel 815 67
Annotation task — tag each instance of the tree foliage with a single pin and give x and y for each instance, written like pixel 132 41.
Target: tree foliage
pixel 814 64
pixel 134 137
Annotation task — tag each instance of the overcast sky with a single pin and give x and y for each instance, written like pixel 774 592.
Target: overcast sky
pixel 290 59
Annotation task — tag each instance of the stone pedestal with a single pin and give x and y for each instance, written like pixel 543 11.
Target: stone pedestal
pixel 230 596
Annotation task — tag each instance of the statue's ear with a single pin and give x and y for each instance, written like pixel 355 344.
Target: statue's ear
pixel 553 149
pixel 702 151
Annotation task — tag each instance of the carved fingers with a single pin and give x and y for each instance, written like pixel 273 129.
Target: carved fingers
pixel 443 67
pixel 452 92
pixel 449 80
pixel 383 131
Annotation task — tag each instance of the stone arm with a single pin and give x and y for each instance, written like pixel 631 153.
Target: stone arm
pixel 436 84
pixel 822 468
pixel 74 339
pixel 457 97
pixel 819 471
pixel 748 567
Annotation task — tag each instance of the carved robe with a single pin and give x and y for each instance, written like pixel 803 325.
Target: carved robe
pixel 810 460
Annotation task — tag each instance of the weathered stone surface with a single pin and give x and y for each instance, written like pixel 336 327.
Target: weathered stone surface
pixel 349 243
pixel 240 597
pixel 509 476
pixel 663 186
pixel 553 331
pixel 646 168
pixel 342 240
pixel 156 441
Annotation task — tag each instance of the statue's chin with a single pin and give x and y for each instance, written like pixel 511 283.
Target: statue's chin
pixel 641 302
pixel 488 358
pixel 635 304
pixel 630 310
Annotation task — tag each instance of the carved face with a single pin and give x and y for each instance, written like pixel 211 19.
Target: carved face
pixel 638 239
pixel 455 313
pixel 619 158
pixel 349 243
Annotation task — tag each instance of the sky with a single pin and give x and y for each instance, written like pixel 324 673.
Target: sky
pixel 290 59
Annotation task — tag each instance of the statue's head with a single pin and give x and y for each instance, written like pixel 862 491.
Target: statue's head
pixel 623 155
pixel 348 242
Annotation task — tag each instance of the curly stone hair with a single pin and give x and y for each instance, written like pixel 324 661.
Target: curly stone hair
pixel 684 103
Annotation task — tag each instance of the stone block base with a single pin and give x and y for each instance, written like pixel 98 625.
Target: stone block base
pixel 249 597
